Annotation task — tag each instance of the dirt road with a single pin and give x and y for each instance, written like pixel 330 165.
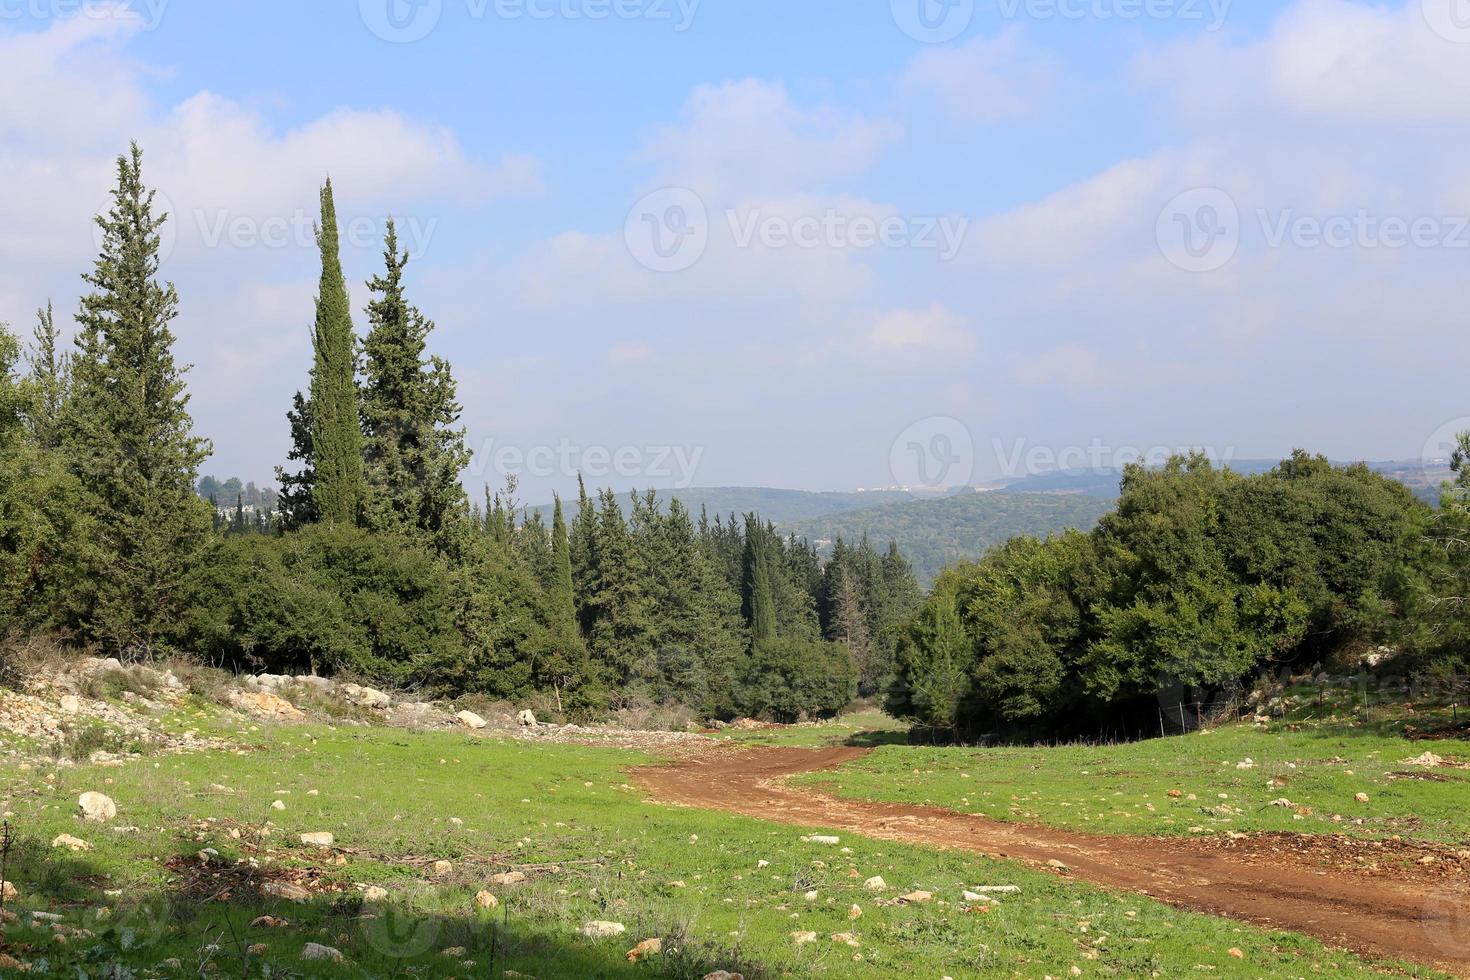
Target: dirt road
pixel 1373 899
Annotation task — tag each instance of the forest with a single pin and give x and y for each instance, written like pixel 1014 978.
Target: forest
pixel 370 560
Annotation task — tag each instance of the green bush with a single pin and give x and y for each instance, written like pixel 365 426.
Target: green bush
pixel 793 679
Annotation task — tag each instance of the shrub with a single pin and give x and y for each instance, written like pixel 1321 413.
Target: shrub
pixel 789 680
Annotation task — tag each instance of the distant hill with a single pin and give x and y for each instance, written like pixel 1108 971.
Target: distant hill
pixel 935 533
pixel 778 506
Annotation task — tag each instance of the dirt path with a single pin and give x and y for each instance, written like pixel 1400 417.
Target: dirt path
pixel 1313 885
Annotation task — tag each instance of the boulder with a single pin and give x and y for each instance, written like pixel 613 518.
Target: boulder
pixel 72 843
pixel 266 705
pixel 527 719
pixel 375 894
pixel 603 930
pixel 323 839
pixel 8 891
pixel 916 898
pixel 96 807
pixel 316 951
pixel 367 697
pixel 285 891
pixel 471 720
pixel 875 884
pixel 487 901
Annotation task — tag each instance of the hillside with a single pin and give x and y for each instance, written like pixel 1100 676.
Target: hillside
pixel 935 533
pixel 779 506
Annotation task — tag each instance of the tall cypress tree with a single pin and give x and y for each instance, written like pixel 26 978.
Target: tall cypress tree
pixel 336 434
pixel 50 381
pixel 569 663
pixel 128 434
pixel 414 452
pixel 760 606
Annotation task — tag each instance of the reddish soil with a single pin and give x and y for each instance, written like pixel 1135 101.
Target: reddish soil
pixel 1374 898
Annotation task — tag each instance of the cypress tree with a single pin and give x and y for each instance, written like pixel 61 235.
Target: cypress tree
pixel 336 435
pixel 50 380
pixel 413 451
pixel 760 607
pixel 569 664
pixel 128 434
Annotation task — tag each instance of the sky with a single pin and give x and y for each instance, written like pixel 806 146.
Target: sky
pixel 817 245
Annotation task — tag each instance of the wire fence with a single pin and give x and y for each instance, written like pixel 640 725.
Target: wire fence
pixel 1369 700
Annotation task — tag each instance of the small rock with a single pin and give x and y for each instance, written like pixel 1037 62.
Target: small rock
pixel 846 939
pixel 803 938
pixel 8 891
pixel 1361 797
pixel 453 952
pixel 316 951
pixel 507 878
pixel 875 884
pixel 268 922
pixel 278 804
pixel 442 868
pixel 527 720
pixel 724 975
pixel 285 891
pixel 1061 866
pixel 603 930
pixel 487 901
pixel 855 913
pixel 821 839
pixel 375 893
pixel 1237 954
pixel 68 841
pixel 471 720
pixel 649 947
pixel 71 704
pixel 323 839
pixel 96 807
pixel 916 898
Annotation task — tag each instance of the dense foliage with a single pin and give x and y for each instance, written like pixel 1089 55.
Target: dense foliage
pixel 1199 579
pixel 371 560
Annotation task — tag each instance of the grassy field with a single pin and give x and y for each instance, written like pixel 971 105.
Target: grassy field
pixel 150 896
pixel 1234 778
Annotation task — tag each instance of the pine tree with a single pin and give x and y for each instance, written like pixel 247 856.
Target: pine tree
pixel 336 435
pixel 50 380
pixel 128 434
pixel 568 665
pixel 850 622
pixel 413 451
pixel 297 500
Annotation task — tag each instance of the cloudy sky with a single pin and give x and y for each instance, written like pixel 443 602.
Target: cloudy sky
pixel 816 245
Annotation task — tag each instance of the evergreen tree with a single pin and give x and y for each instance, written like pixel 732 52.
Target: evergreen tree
pixel 414 452
pixel 128 433
pixel 336 435
pixel 850 622
pixel 297 500
pixel 759 605
pixel 50 380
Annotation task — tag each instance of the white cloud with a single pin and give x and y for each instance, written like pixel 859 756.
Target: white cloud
pixel 985 79
pixel 749 137
pixel 1068 366
pixel 935 330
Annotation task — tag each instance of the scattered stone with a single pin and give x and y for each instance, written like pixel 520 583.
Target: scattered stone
pixel 649 947
pixel 724 975
pixel 1247 764
pixel 375 893
pixel 68 841
pixel 471 720
pixel 442 868
pixel 916 898
pixel 1428 759
pixel 507 878
pixel 316 951
pixel 453 952
pixel 603 930
pixel 1061 866
pixel 268 922
pixel 846 939
pixel 1361 797
pixel 803 938
pixel 285 891
pixel 1237 954
pixel 266 705
pixel 7 890
pixel 278 804
pixel 487 901
pixel 322 839
pixel 96 807
pixel 527 719
pixel 1283 802
pixel 855 913
pixel 998 889
pixel 821 839
pixel 71 704
pixel 875 884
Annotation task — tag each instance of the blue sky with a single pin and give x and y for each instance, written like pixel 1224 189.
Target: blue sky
pixel 1112 227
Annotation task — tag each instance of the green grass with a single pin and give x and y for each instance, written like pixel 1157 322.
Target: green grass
pixel 1319 765
pixel 868 727
pixel 391 798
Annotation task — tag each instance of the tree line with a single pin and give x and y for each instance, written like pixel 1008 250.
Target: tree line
pixel 1198 581
pixel 370 558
